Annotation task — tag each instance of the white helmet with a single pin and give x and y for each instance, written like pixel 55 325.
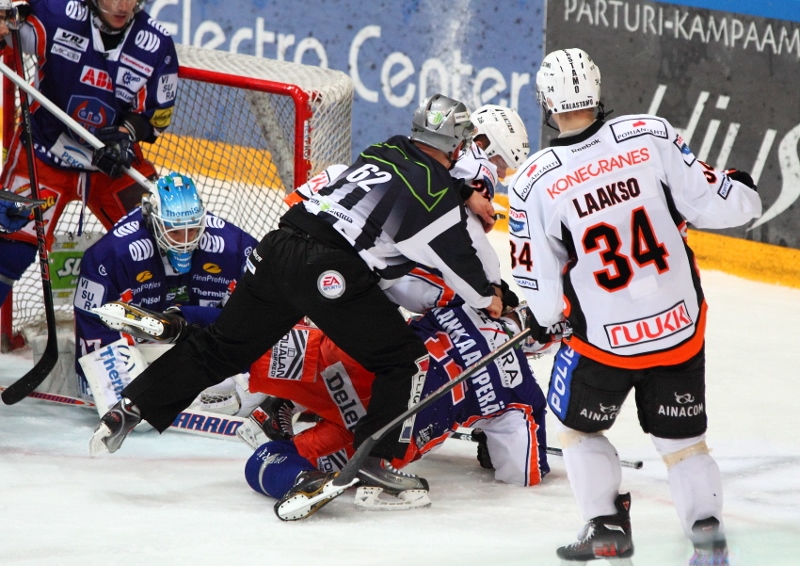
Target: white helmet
pixel 176 217
pixel 507 135
pixel 568 80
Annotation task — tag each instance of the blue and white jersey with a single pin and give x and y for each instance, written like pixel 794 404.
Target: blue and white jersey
pixel 95 86
pixel 126 264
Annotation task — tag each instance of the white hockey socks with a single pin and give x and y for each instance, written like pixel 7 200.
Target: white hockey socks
pixel 694 480
pixel 593 469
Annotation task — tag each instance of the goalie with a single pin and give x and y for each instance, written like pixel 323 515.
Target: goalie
pixel 170 255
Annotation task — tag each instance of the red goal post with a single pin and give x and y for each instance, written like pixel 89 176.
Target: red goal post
pixel 246 129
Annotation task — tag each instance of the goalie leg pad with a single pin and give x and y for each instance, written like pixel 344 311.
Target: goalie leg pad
pixel 368 497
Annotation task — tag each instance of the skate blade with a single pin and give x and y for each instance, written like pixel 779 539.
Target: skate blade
pixel 96 444
pixel 368 497
pixel 301 505
pixel 117 316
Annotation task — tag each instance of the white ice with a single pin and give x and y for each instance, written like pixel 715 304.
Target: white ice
pixel 182 500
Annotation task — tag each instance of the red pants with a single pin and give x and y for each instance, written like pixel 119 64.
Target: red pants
pixel 108 199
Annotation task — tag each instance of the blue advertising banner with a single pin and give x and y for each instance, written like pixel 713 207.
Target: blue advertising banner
pixel 397 53
pixel 727 81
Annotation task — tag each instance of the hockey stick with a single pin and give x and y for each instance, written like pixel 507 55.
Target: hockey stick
pixel 350 470
pixel 635 464
pixel 24 203
pixel 25 385
pixel 67 120
pixel 60 399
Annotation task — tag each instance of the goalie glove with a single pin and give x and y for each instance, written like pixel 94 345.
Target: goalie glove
pixel 167 327
pixel 117 154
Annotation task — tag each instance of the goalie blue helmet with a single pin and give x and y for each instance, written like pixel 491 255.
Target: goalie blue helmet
pixel 176 217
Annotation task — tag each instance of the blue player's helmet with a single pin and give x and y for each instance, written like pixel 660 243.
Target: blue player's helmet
pixel 176 217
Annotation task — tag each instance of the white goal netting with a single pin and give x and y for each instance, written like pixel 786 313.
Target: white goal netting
pixel 246 129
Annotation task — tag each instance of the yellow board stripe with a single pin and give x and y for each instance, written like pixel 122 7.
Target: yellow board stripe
pixel 195 156
pixel 744 258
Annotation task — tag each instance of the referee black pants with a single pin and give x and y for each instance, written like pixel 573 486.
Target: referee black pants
pixel 284 285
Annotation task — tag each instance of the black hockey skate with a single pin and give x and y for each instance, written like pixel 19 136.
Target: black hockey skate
pixel 312 490
pixel 377 472
pixel 114 426
pixel 710 547
pixel 274 416
pixel 607 536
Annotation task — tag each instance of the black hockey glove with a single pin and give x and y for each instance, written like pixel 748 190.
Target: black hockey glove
pixel 545 334
pixel 117 154
pixel 742 176
pixel 483 450
pixel 509 297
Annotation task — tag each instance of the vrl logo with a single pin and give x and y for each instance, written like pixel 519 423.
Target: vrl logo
pixel 789 161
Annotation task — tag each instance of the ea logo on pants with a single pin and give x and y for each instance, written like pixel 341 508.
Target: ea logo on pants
pixel 331 284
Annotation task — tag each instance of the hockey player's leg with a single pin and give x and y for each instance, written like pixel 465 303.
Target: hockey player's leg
pixel 696 487
pixel 593 469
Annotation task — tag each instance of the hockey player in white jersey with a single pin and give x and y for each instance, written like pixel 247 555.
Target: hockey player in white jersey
pixel 598 227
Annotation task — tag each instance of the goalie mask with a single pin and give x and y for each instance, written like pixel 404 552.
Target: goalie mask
pixel 176 217
pixel 505 132
pixel 568 80
pixel 444 124
pixel 114 16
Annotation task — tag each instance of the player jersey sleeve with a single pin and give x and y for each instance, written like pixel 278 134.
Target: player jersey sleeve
pixel 706 197
pixel 538 257
pixel 156 100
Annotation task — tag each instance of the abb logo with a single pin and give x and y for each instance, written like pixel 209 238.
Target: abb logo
pixel 97 78
pixel 649 329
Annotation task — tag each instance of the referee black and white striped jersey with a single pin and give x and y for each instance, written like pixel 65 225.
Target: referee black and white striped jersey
pixel 399 207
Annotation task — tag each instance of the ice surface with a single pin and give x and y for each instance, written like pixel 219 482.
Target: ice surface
pixel 179 499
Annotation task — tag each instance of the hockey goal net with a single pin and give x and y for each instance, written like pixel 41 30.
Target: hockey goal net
pixel 246 129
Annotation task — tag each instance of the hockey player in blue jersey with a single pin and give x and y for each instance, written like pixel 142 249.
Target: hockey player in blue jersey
pixel 168 254
pixel 114 70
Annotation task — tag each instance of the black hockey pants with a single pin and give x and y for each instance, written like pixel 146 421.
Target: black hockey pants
pixel 293 274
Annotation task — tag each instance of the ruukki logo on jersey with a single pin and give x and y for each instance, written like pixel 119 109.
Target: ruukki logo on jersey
pixel 545 162
pixel 331 284
pixel 97 78
pixel 649 329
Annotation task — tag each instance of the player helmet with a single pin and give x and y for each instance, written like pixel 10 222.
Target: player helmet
pixel 442 123
pixel 506 132
pixel 176 217
pixel 568 80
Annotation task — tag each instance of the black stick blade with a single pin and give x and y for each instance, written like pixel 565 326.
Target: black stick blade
pixel 28 383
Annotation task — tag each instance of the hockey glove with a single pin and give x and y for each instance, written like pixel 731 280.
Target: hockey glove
pixel 509 297
pixel 545 335
pixel 274 416
pixel 483 450
pixel 117 155
pixel 741 176
pixel 12 218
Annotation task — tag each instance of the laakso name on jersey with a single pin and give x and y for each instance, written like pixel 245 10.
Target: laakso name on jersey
pixel 635 127
pixel 545 162
pixel 649 329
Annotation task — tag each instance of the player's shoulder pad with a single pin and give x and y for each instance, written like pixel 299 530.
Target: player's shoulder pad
pixel 634 126
pixel 533 169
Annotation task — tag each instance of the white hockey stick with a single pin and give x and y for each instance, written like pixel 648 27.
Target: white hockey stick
pixel 68 121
